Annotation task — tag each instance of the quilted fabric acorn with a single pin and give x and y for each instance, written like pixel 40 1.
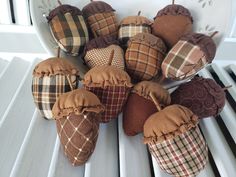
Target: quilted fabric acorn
pixel 176 142
pixel 204 97
pixel 101 18
pixel 50 80
pixel 188 56
pixel 97 52
pixel 68 29
pixel 132 25
pixel 144 56
pixel 140 106
pixel 171 23
pixel 77 115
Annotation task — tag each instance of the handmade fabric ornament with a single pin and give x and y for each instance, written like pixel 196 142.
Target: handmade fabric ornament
pixel 50 80
pixel 101 18
pixel 68 29
pixel 204 97
pixel 144 56
pixel 140 106
pixel 188 56
pixel 171 23
pixel 77 115
pixel 176 142
pixel 132 25
pixel 98 50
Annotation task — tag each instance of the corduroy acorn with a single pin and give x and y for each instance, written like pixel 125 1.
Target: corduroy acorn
pixel 101 18
pixel 140 107
pixel 68 28
pixel 176 142
pixel 77 115
pixel 144 56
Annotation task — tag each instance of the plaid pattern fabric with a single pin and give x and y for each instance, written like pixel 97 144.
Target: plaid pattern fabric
pixel 113 98
pixel 183 61
pixel 47 89
pixel 185 155
pixel 103 24
pixel 70 32
pixel 78 135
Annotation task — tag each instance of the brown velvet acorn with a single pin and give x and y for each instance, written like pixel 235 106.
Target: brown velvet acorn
pixel 77 115
pixel 140 106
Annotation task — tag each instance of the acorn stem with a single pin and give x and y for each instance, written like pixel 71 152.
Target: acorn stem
pixel 173 2
pixel 227 87
pixel 139 13
pixel 211 36
pixel 59 2
pixel 69 81
pixel 111 57
pixel 58 52
pixel 155 101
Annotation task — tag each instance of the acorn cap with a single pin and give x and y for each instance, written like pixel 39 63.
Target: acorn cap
pixel 168 123
pixel 55 66
pixel 78 102
pixel 103 76
pixel 62 9
pixel 135 20
pixel 145 88
pixel 174 10
pixel 206 44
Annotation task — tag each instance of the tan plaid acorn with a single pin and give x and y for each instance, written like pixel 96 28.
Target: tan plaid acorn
pixel 175 141
pixel 97 52
pixel 101 18
pixel 77 115
pixel 140 106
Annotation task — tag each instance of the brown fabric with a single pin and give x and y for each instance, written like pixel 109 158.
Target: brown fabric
pixel 203 96
pixel 54 66
pixel 135 20
pixel 170 122
pixel 78 102
pixel 206 44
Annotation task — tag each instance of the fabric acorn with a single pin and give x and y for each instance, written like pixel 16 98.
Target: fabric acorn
pixel 204 97
pixel 101 18
pixel 68 28
pixel 50 80
pixel 140 106
pixel 176 142
pixel 144 56
pixel 188 56
pixel 97 52
pixel 132 25
pixel 171 23
pixel 77 115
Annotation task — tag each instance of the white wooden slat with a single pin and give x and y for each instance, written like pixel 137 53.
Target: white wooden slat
pixel 3 66
pixel 5 12
pixel 21 12
pixel 133 154
pixel 104 161
pixel 233 68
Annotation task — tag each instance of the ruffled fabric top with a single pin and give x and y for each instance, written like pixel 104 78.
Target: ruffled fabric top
pixel 206 44
pixel 78 102
pixel 175 9
pixel 169 123
pixel 55 66
pixel 135 20
pixel 103 76
pixel 62 10
pixel 145 88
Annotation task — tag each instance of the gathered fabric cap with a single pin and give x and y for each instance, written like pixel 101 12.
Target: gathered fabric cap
pixel 136 20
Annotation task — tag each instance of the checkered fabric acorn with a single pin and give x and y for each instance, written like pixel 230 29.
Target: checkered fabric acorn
pixel 176 142
pixel 171 23
pixel 68 29
pixel 77 115
pixel 140 106
pixel 132 25
pixel 101 18
pixel 204 97
pixel 50 81
pixel 97 52
pixel 144 56
pixel 188 56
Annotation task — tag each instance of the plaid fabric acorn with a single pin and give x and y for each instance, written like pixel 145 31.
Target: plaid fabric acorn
pixel 101 18
pixel 188 56
pixel 144 56
pixel 77 114
pixel 68 29
pixel 176 142
pixel 50 80
pixel 140 107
